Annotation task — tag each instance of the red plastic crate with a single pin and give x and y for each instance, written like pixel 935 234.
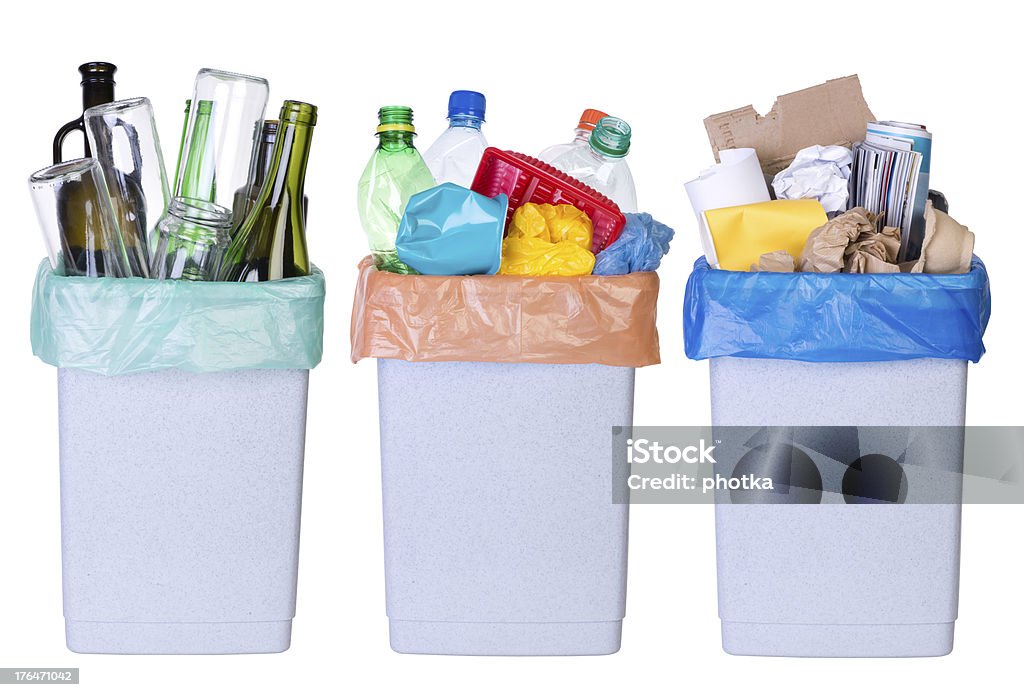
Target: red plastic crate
pixel 526 179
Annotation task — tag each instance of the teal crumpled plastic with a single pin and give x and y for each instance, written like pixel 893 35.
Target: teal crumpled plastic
pixel 121 326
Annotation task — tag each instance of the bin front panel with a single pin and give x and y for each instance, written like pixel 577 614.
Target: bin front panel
pixel 497 482
pixel 841 564
pixel 180 495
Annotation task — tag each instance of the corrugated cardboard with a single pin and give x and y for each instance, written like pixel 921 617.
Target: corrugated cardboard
pixel 834 113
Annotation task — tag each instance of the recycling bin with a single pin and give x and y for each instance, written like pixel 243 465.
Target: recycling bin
pixel 498 396
pixel 182 415
pixel 836 352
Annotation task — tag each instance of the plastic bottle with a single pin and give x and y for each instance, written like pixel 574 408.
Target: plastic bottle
pixel 456 154
pixel 395 172
pixel 602 165
pixel 588 119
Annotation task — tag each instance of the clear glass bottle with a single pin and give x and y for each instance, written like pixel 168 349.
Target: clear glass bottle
pixel 77 220
pixel 394 173
pixel 194 234
pixel 588 119
pixel 455 155
pixel 271 242
pixel 602 165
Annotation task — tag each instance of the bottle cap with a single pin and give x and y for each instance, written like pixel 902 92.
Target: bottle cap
pixel 610 137
pixel 395 118
pixel 589 119
pixel 467 103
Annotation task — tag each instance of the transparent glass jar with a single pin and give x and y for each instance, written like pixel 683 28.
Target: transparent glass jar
pixel 194 235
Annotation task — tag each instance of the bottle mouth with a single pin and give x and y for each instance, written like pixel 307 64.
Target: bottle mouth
pixel 395 118
pixel 269 131
pixel 201 212
pixel 68 170
pixel 120 106
pixel 611 137
pixel 97 71
pixel 298 112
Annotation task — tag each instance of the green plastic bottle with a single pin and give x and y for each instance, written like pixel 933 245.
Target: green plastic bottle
pixel 394 173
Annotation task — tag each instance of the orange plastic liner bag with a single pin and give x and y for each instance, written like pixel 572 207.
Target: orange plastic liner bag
pixel 609 320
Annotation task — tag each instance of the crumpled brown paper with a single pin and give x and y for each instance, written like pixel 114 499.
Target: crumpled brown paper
pixel 776 262
pixel 874 252
pixel 851 242
pixel 947 247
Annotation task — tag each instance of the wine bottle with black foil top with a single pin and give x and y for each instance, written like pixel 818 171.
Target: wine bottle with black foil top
pixel 245 197
pixel 270 244
pixel 97 88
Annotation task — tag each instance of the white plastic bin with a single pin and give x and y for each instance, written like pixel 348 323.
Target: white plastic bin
pixel 844 579
pixel 500 533
pixel 180 500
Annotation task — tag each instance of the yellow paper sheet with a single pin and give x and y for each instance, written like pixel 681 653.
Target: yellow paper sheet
pixel 741 234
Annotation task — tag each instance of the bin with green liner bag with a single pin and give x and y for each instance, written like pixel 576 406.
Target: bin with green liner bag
pixel 182 410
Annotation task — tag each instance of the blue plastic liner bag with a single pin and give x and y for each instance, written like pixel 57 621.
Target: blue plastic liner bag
pixel 121 326
pixel 836 317
pixel 640 247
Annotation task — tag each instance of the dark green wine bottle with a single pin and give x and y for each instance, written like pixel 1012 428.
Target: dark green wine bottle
pixel 97 88
pixel 270 244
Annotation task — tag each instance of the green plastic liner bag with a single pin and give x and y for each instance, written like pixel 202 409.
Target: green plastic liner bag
pixel 121 326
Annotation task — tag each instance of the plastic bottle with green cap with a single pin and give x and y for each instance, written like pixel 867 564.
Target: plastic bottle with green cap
pixel 602 165
pixel 395 172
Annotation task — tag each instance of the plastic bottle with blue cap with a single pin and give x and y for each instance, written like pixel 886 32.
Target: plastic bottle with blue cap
pixel 455 155
pixel 602 165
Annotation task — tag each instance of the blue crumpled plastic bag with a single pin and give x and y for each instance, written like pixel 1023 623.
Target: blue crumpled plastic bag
pixel 640 247
pixel 836 317
pixel 120 326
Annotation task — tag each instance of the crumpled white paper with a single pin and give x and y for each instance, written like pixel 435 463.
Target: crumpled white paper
pixel 818 172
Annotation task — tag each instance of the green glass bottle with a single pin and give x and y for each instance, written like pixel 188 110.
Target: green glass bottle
pixel 271 242
pixel 181 144
pixel 394 173
pixel 196 174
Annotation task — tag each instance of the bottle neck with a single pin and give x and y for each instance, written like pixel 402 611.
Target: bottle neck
pixel 196 180
pixel 395 140
pixel 264 155
pixel 464 121
pixel 286 176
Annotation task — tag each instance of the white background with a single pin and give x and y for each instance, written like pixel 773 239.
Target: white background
pixel 663 67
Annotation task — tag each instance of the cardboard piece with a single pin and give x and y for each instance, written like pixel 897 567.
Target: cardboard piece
pixel 833 113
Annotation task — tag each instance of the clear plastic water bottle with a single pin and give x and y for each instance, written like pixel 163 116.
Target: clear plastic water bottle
pixel 588 119
pixel 394 173
pixel 455 156
pixel 601 165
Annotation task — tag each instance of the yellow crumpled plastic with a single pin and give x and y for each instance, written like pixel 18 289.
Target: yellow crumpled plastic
pixel 546 240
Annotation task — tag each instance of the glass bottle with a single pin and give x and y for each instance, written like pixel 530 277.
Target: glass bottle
pixel 588 119
pixel 77 220
pixel 455 155
pixel 394 173
pixel 194 235
pixel 602 165
pixel 225 151
pixel 245 197
pixel 97 88
pixel 271 242
pixel 181 144
pixel 196 175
